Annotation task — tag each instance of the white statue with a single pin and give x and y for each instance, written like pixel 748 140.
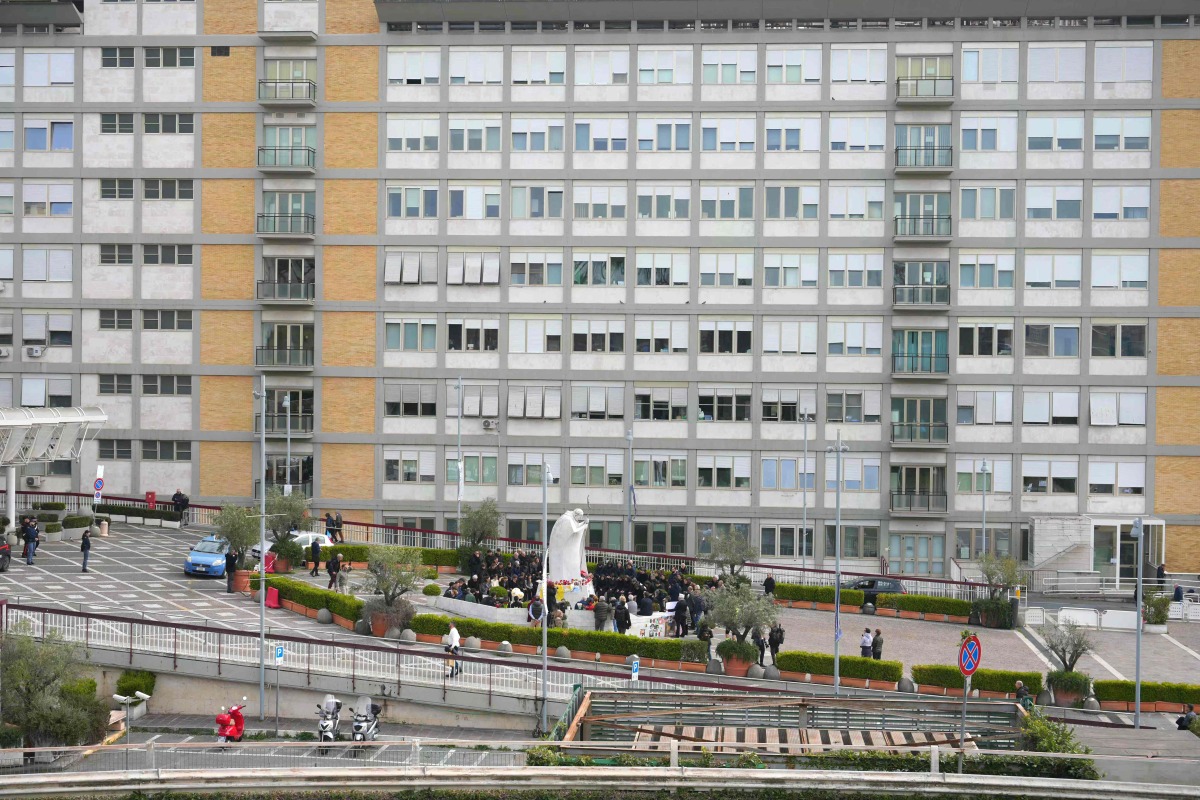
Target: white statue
pixel 566 561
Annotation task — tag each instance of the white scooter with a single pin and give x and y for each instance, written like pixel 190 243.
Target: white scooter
pixel 366 720
pixel 330 718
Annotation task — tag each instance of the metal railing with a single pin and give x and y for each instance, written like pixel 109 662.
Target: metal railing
pixel 924 226
pixel 920 364
pixel 919 502
pixel 300 292
pixel 283 357
pixel 921 295
pixel 288 157
pixel 924 157
pixel 287 224
pixel 925 88
pixel 279 423
pixel 287 90
pixel 920 432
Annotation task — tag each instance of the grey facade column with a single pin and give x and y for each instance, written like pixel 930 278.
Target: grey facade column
pixel 10 485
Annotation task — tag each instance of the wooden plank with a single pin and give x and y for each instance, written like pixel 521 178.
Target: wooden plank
pixel 579 716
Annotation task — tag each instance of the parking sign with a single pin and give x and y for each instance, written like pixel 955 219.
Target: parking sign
pixel 278 654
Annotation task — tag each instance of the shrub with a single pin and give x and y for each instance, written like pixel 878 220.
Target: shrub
pixel 1157 609
pixel 1079 683
pixel 47 517
pixel 925 603
pixel 996 612
pixel 76 522
pixel 851 666
pixel 731 648
pixel 815 594
pixel 1041 735
pixel 431 590
pixel 310 596
pixel 399 614
pixel 50 506
pixel 498 591
pixel 989 680
pixel 53 527
pixel 589 641
pixel 693 650
pixel 289 551
pixel 1122 691
pixel 10 737
pixel 438 557
pixel 350 552
pixel 135 680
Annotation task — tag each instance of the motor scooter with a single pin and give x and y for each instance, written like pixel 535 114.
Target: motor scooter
pixel 329 709
pixel 231 724
pixel 366 720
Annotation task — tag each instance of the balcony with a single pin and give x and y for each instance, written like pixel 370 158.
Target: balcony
pixel 43 12
pixel 924 159
pixel 292 160
pixel 920 365
pixel 283 358
pixel 924 91
pixel 286 293
pixel 287 93
pixel 920 433
pixel 287 226
pixel 277 425
pixel 919 502
pixel 288 37
pixel 922 229
pixel 921 298
pixel 305 489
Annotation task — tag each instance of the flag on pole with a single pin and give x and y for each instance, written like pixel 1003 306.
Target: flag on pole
pixel 633 499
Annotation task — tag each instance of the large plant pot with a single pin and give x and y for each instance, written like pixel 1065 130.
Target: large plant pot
pixel 241 580
pixel 282 566
pixel 53 537
pixel 736 667
pixel 1065 698
pixel 152 522
pixel 167 523
pixel 379 625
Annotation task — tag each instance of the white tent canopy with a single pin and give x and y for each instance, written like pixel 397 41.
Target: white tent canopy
pixel 46 434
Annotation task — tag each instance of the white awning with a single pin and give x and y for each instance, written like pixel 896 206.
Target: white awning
pixel 46 434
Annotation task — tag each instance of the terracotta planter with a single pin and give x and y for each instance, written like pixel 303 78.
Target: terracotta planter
pixel 526 649
pixel 433 638
pixel 801 677
pixel 357 565
pixel 311 613
pixel 659 664
pixel 1168 708
pixel 487 645
pixel 447 570
pixel 883 686
pixel 851 609
pixel 824 680
pixel 854 683
pixel 823 606
pixel 690 666
pixel 294 607
pixel 926 689
pixel 885 612
pixel 1115 705
pixel 348 624
pixel 379 625
pixel 957 620
pixel 609 658
pixel 241 580
pixel 910 615
pixel 282 566
pixel 1067 699
pixel 953 692
pixel 583 655
pixel 805 604
pixel 984 694
pixel 736 667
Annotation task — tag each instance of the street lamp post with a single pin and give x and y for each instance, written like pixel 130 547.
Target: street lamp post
pixel 287 412
pixel 128 702
pixel 1138 533
pixel 983 524
pixel 262 557
pixel 629 493
pixel 545 589
pixel 836 451
pixel 804 503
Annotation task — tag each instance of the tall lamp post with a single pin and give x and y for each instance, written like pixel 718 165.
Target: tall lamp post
pixel 546 476
pixel 983 469
pixel 836 451
pixel 1138 533
pixel 287 413
pixel 127 702
pixel 804 504
pixel 261 395
pixel 629 493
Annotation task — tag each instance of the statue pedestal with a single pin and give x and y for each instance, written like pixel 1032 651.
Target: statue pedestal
pixel 573 594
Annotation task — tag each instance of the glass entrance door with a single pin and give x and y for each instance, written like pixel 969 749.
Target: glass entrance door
pixel 917 554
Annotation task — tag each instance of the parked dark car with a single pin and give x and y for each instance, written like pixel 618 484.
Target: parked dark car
pixel 873 587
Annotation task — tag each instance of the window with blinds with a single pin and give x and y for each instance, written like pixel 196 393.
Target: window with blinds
pixel 726 336
pixel 723 470
pixel 534 334
pixel 1121 478
pixel 473 267
pixel 410 267
pixel 1045 476
pixel 597 468
pixel 971 478
pixel 598 402
pixel 660 403
pixel 472 334
pixel 478 467
pixel 1115 407
pixel 409 466
pixel 724 403
pixel 1050 407
pixel 598 335
pixel 788 404
pixel 790 336
pixel 788 473
pixel 661 336
pixel 410 399
pixel 985 406
pixel 525 468
pixel 478 400
pixel 534 402
pixel 660 470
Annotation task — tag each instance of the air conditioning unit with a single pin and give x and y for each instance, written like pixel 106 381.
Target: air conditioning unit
pixel 491 424
pixel 5 352
pixel 35 351
pixel 33 481
pixel 3 288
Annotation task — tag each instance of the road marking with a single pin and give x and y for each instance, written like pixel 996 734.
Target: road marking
pixel 1036 651
pixel 1106 665
pixel 152 738
pixel 1181 646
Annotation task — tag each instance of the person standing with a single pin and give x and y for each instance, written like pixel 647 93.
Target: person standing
pixel 761 644
pixel 1161 575
pixel 877 645
pixel 85 547
pixel 337 522
pixel 231 561
pixel 602 610
pixel 330 528
pixel 334 569
pixel 315 556
pixel 775 641
pixel 864 643
pixel 181 502
pixel 454 648
pixel 769 585
pixel 32 538
pixel 681 617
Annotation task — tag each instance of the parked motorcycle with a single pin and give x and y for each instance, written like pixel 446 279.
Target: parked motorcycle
pixel 231 724
pixel 366 720
pixel 330 711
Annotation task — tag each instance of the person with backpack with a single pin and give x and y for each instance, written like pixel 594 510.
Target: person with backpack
pixel 775 641
pixel 536 613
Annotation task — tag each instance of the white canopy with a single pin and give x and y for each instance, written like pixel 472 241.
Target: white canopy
pixel 46 434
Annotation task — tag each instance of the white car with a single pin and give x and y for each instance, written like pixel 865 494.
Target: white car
pixel 305 541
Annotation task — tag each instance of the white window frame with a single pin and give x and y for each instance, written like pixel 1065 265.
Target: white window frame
pixel 478 399
pixel 728 134
pixel 592 197
pixel 597 401
pixel 864 64
pixel 480 327
pixel 534 401
pixel 1062 131
pixel 718 466
pixel 472 66
pixel 422 396
pixel 1001 264
pixel 403 130
pixel 846 335
pixel 550 262
pixel 856 201
pixel 789 336
pixel 410 267
pixel 1052 349
pixel 726 201
pixel 860 473
pixel 488 126
pixel 530 127
pixel 473 267
pixel 805 198
pixel 1056 194
pixel 663 268
pixel 989 63
pixel 1120 269
pixel 48 195
pixel 424 465
pixel 421 326
pixel 1048 468
pixel 405 193
pixel 779 472
pixel 538 66
pixel 1131 202
pixel 979 199
pixel 661 469
pixel 1117 407
pixel 648 134
pixel 728 66
pixel 1124 62
pixel 678 197
pixel 47 264
pixel 414 66
pixel 857 133
pixel 997 479
pixel 674 332
pixel 611 333
pixel 1053 270
pixel 534 335
pixel 1119 327
pixel 672 63
pixel 594 258
pixel 54 67
pixel 611 132
pixel 726 268
pixel 797 269
pixel 1136 126
pixel 1056 63
pixel 801 401
pixel 1050 407
pixel 47 126
pixel 478 201
pixel 478 458
pixel 793 65
pixel 601 66
pixel 796 134
pixel 599 468
pixel 522 198
pixel 736 328
pixel 989 406
pixel 852 269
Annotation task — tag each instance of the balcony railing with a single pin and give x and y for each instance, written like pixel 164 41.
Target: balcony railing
pixel 919 502
pixel 924 157
pixel 287 224
pixel 287 158
pixel 925 88
pixel 301 424
pixel 920 433
pixel 921 295
pixel 283 357
pixel 919 364
pixel 305 489
pixel 290 292
pixel 294 92
pixel 932 227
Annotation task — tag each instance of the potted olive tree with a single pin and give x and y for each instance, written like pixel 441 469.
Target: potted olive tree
pixel 237 526
pixel 1069 643
pixel 740 610
pixel 392 572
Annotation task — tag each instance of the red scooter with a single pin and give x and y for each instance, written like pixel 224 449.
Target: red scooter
pixel 231 724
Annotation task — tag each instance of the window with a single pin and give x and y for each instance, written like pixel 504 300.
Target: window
pixel 724 404
pixel 729 66
pixel 670 201
pixel 849 64
pixel 597 402
pixel 47 200
pixel 793 134
pixel 783 404
pixel 789 336
pixel 1050 63
pixel 1040 476
pixel 1118 339
pixel 1053 202
pixel 790 270
pixel 412 134
pixel 601 134
pixel 541 335
pixel 660 470
pixel 607 66
pixel 177 385
pixel 1052 340
pixel 855 270
pixel 170 57
pixel 597 468
pixel 857 133
pixel 541 135
pixel 411 466
pixel 45 392
pixel 6 334
pixel 727 134
pixel 6 199
pixel 412 202
pixel 169 123
pixel 1120 202
pixel 985 339
pixel 116 254
pixel 662 269
pixel 597 335
pixel 659 537
pixel 1124 62
pixel 410 400
pixel 985 270
pixel 411 335
pixel 535 269
pixel 855 337
pixel 116 320
pixel 661 336
pixel 525 469
pixel 534 401
pixel 727 268
pixel 973 479
pixel 478 399
pixel 598 269
pixel 859 473
pixel 726 336
pixel 663 135
pixel 855 202
pixel 660 403
pixel 475 67
pixel 1121 132
pixel 1052 270
pixel 792 202
pixel 116 188
pixel 475 135
pixel 989 64
pixel 722 471
pixel 45 264
pixel 705 531
pixel 167 320
pixel 116 123
pixel 1050 407
pixel 472 335
pixel 8 68
pixel 793 65
pixel 858 541
pixel 115 384
pixel 166 450
pixel 788 473
pixel 852 406
pixel 1054 133
pixel 48 69
pixel 1120 269
pixel 167 189
pixel 414 66
pixel 664 65
pixel 1120 478
pixel 1116 407
pixel 410 267
pixel 7 124
pixel 116 57
pixel 987 202
pixel 474 202
pixel 115 449
pixel 537 66
pixel 988 134
pixel 536 202
pixel 726 202
pixel 786 541
pixel 599 202
pixel 167 254
pixel 49 135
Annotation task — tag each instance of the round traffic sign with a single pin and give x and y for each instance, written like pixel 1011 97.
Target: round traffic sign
pixel 99 484
pixel 970 654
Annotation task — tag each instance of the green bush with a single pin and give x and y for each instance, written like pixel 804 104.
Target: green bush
pixel 289 551
pixel 47 517
pixel 1075 682
pixel 925 603
pixel 693 650
pixel 350 552
pixel 989 680
pixel 1122 691
pixel 1157 609
pixel 498 591
pixel 50 506
pixel 732 648
pixel 431 590
pixel 816 594
pixel 53 527
pixel 997 612
pixel 589 641
pixel 438 557
pixel 135 680
pixel 851 666
pixel 310 596
pixel 10 737
pixel 76 522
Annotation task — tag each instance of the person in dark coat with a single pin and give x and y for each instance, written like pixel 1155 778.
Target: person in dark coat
pixel 695 604
pixel 1161 574
pixel 877 645
pixel 333 568
pixel 681 616
pixel 621 616
pixel 645 606
pixel 85 547
pixel 761 643
pixel 705 634
pixel 330 527
pixel 769 585
pixel 337 522
pixel 775 641
pixel 602 611
pixel 231 560
pixel 315 553
pixel 32 538
pixel 1178 596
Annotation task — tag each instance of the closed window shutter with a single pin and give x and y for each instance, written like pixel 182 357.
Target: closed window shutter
pixel 553 402
pixel 491 401
pixel 1132 409
pixel 616 401
pixel 516 401
pixel 533 402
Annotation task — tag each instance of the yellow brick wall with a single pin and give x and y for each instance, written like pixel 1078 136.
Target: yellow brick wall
pixel 1178 277
pixel 352 74
pixel 348 405
pixel 1178 347
pixel 348 471
pixel 1179 208
pixel 1179 137
pixel 351 141
pixel 1180 66
pixel 231 16
pixel 226 469
pixel 348 273
pixel 348 338
pixel 227 403
pixel 1183 548
pixel 228 140
pixel 227 338
pixel 226 206
pixel 1175 482
pixel 351 16
pixel 1177 415
pixel 232 78
pixel 228 272
pixel 351 207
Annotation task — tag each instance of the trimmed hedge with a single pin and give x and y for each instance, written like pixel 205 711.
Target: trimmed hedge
pixel 431 590
pixel 53 527
pixel 79 521
pixel 135 680
pixel 137 511
pixel 309 596
pixel 50 506
pixel 1122 691
pixel 851 666
pixel 989 680
pixel 925 603
pixel 47 517
pixel 817 594
pixel 430 556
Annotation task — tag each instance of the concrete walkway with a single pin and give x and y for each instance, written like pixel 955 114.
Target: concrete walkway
pixel 196 722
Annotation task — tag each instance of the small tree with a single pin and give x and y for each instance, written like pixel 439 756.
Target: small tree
pixel 285 511
pixel 729 550
pixel 739 608
pixel 238 527
pixel 475 528
pixel 1068 643
pixel 1001 574
pixel 43 695
pixel 393 572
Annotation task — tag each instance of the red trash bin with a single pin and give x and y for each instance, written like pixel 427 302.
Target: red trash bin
pixel 272 597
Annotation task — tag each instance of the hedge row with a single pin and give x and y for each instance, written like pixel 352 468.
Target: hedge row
pixel 817 594
pixel 850 667
pixel 79 521
pixel 49 506
pixel 989 680
pixel 430 556
pixel 137 511
pixel 1122 691
pixel 310 596
pixel 925 603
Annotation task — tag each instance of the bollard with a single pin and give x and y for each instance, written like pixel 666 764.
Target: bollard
pixel 674 752
pixel 149 755
pixel 416 752
pixel 935 760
